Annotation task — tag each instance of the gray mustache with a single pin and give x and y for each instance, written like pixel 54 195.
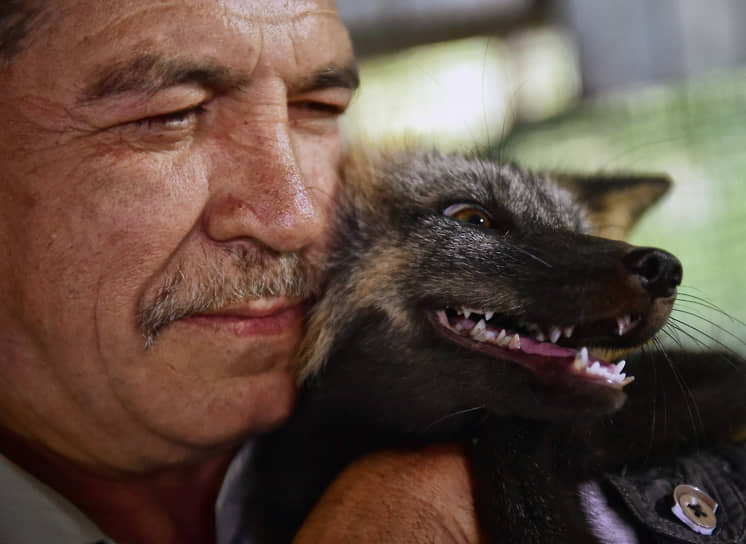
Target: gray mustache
pixel 245 276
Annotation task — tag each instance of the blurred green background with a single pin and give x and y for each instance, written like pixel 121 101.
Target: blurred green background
pixel 583 86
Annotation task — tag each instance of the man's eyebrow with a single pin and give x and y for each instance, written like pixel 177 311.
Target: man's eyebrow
pixel 150 73
pixel 345 76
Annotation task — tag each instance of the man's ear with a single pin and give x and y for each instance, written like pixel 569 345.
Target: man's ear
pixel 615 202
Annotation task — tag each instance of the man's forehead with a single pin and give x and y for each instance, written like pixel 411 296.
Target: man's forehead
pixel 268 11
pixel 114 19
pixel 216 40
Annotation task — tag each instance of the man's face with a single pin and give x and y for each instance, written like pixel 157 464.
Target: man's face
pixel 162 165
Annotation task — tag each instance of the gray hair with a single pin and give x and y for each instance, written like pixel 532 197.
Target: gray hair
pixel 218 281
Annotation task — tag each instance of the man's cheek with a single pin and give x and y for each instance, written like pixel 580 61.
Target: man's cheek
pixel 320 162
pixel 122 225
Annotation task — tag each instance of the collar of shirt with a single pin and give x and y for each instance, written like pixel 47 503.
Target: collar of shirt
pixel 32 512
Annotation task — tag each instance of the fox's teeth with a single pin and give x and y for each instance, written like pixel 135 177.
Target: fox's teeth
pixel 584 354
pixel 581 360
pixel 503 339
pixel 554 334
pixel 578 364
pixel 488 315
pixel 611 373
pixel 478 331
pixel 623 324
pixel 468 312
pixel 536 332
pixel 567 331
pixel 515 342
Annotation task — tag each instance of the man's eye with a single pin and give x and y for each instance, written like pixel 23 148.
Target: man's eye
pixel 469 213
pixel 177 120
pixel 309 108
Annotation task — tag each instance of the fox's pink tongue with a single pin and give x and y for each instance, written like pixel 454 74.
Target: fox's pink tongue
pixel 545 349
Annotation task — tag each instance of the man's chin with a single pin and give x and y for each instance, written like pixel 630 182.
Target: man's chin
pixel 219 418
pixel 202 387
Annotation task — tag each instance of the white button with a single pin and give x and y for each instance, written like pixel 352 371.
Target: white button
pixel 695 508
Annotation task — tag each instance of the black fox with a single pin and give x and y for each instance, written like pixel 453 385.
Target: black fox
pixel 472 301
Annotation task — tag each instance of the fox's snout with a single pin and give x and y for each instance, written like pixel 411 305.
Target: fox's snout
pixel 658 272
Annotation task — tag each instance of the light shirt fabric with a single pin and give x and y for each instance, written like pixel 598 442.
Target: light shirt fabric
pixel 31 512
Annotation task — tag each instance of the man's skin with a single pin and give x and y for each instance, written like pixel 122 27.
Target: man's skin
pixel 165 149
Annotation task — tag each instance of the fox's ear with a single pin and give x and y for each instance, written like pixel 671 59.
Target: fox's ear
pixel 615 202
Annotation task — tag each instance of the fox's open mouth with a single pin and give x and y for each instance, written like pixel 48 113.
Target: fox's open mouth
pixel 549 352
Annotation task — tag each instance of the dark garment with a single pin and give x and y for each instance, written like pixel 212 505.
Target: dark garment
pixel 643 499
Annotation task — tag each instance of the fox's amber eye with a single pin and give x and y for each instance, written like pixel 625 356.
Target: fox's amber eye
pixel 467 213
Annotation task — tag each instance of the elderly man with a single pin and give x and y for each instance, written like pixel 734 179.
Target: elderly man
pixel 166 173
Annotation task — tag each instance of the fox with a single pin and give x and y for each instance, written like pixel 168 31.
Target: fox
pixel 466 300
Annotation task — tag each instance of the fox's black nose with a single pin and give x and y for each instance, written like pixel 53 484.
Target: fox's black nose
pixel 659 272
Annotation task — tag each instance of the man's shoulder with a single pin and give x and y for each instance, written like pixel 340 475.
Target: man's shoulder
pixel 32 512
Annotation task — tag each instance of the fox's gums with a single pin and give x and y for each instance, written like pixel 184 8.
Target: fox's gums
pixel 471 301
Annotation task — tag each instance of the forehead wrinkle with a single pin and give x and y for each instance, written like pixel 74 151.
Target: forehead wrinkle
pixel 283 16
pixel 334 74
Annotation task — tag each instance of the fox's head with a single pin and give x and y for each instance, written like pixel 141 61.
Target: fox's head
pixel 459 282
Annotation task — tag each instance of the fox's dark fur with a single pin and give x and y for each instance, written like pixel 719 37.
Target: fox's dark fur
pixel 379 374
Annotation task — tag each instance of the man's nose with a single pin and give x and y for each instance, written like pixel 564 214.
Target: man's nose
pixel 262 195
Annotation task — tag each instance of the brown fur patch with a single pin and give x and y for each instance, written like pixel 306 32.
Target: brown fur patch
pixel 369 285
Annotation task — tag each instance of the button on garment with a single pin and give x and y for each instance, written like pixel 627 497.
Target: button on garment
pixel 647 497
pixel 695 508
